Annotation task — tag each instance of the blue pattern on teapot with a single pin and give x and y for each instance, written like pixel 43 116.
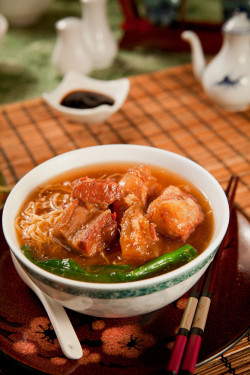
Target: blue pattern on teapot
pixel 226 79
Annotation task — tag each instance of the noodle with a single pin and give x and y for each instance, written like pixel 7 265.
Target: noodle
pixel 40 215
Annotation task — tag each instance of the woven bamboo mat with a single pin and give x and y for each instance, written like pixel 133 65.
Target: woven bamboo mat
pixel 235 360
pixel 166 109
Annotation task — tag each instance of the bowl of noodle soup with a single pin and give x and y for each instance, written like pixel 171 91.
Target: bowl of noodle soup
pixel 107 299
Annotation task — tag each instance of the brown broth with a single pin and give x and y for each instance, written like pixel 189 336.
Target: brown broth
pixel 199 239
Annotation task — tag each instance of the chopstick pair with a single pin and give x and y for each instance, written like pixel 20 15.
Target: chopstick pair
pixel 187 344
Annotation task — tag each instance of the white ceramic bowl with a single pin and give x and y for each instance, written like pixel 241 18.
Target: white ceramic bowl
pixel 72 81
pixel 24 12
pixel 123 299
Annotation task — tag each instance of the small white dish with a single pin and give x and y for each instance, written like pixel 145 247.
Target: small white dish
pixel 73 81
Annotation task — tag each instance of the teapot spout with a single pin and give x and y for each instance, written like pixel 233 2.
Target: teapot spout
pixel 198 59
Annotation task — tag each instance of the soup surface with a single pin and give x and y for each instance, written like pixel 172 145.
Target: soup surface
pixel 114 214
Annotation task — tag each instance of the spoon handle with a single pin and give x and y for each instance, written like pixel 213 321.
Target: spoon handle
pixel 65 333
pixel 64 330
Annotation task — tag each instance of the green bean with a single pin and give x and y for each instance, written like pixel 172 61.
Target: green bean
pixel 113 273
pixel 71 269
pixel 177 257
pixel 81 275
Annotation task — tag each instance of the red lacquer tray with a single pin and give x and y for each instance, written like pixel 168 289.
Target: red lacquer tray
pixel 138 345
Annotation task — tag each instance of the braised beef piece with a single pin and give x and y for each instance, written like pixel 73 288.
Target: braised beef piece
pixel 100 192
pixel 98 234
pixel 176 213
pixel 139 181
pixel 87 230
pixel 139 187
pixel 122 205
pixel 73 218
pixel 138 238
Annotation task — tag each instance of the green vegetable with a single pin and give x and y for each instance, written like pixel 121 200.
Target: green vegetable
pixel 26 249
pixel 113 273
pixel 72 270
pixel 177 257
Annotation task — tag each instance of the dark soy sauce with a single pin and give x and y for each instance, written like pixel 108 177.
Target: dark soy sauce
pixel 85 100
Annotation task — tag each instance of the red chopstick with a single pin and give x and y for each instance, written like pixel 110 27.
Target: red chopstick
pixel 184 329
pixel 196 310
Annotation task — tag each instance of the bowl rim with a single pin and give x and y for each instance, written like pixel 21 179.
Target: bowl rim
pixel 196 262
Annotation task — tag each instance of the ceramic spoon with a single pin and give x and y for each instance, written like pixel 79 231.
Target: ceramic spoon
pixel 64 330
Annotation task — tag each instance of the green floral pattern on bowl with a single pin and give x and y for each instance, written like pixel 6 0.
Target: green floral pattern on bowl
pixel 120 293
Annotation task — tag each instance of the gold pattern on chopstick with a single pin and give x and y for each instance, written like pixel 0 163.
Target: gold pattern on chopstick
pixel 189 312
pixel 202 313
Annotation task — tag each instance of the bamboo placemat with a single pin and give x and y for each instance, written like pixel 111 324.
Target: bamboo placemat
pixel 235 360
pixel 166 109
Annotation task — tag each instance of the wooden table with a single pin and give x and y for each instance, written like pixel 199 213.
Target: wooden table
pixel 165 109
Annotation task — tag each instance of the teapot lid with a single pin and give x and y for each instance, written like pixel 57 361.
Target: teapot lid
pixel 238 24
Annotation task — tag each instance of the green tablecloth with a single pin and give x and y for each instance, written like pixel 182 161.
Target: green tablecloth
pixel 25 54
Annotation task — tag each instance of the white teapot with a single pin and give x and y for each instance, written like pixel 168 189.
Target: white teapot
pixel 97 34
pixel 226 79
pixel 4 25
pixel 70 52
